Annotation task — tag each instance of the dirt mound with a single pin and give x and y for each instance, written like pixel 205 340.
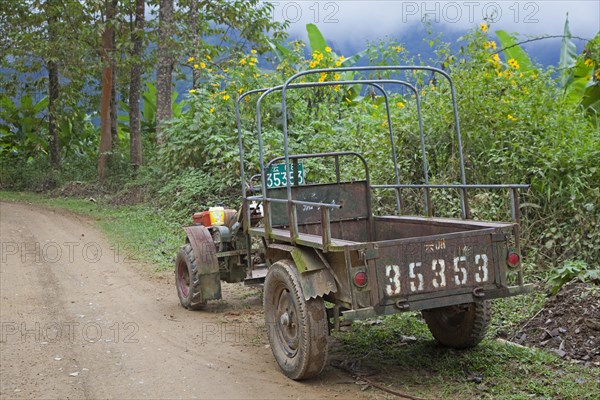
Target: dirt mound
pixel 569 325
pixel 131 195
pixel 79 189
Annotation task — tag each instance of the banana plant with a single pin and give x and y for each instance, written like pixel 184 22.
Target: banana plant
pixel 148 112
pixel 577 73
pixel 21 126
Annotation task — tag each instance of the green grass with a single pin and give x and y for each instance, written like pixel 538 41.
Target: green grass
pixel 139 232
pixel 493 369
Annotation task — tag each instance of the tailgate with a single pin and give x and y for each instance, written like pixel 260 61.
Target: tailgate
pixel 451 263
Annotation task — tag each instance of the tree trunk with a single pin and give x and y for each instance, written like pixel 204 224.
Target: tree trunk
pixel 114 128
pixel 164 72
pixel 105 122
pixel 53 91
pixel 135 129
pixel 194 28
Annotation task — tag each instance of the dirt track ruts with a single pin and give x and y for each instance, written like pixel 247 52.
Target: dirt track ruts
pixel 81 321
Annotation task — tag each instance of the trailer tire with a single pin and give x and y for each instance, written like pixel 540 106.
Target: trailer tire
pixel 187 279
pixel 461 326
pixel 297 328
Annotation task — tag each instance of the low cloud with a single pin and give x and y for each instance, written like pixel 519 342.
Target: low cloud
pixel 356 21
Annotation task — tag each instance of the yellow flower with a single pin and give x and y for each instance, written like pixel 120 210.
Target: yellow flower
pixel 202 65
pixel 225 69
pixel 338 63
pixel 190 59
pixel 588 62
pixel 242 61
pixel 400 104
pixel 342 58
pixel 336 88
pixel 212 109
pixel 196 66
pixel 398 49
pixel 253 51
pixel 192 91
pixel 240 90
pixel 483 26
pixel 496 57
pixel 510 117
pixel 597 74
pixel 328 49
pixel 322 77
pixel 513 63
pixel 336 76
pixel 226 97
pixel 208 57
pixel 312 64
pixel 254 59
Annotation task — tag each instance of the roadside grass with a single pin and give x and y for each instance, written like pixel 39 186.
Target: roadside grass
pixel 389 353
pixel 138 232
pixel 380 349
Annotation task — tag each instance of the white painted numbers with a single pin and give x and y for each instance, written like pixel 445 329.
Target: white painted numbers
pixel 392 272
pixel 439 273
pixel 420 280
pixel 481 260
pixel 415 287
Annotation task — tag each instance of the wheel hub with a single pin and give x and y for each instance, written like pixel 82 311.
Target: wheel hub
pixel 287 326
pixel 285 319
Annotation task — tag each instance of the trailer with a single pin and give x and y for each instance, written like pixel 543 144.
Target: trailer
pixel 322 254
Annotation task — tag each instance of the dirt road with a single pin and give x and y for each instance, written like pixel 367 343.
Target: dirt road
pixel 79 320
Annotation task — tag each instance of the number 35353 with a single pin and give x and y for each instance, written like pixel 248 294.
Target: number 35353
pixel 436 274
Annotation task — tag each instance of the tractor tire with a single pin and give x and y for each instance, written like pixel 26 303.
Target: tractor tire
pixel 297 328
pixel 187 279
pixel 461 326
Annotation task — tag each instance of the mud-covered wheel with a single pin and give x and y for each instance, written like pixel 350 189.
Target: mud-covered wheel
pixel 297 328
pixel 459 326
pixel 187 279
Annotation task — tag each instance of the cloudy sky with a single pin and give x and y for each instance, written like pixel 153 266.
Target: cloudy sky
pixel 351 23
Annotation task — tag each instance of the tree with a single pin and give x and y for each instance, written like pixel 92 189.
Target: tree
pixel 215 30
pixel 135 129
pixel 53 83
pixel 164 71
pixel 107 86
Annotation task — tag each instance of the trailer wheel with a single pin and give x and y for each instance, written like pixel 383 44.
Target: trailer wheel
pixel 459 326
pixel 187 279
pixel 297 328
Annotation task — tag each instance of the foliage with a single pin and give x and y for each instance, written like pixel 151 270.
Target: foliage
pixel 570 270
pixel 21 127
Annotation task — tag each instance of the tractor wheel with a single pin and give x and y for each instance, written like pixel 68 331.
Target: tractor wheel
pixel 459 326
pixel 297 328
pixel 187 279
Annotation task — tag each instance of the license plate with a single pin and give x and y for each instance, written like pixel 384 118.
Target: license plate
pixel 276 176
pixel 421 268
